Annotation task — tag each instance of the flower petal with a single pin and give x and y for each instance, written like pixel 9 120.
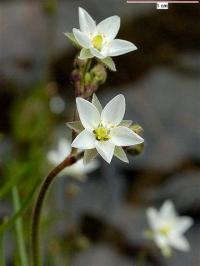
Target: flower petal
pixel 109 27
pixel 85 54
pixel 97 53
pixel 85 140
pixel 167 211
pixel 113 112
pixel 120 154
pixel 82 38
pixel 105 149
pixel 96 102
pixel 124 136
pixel 64 147
pixel 119 47
pixel 86 22
pixel 152 216
pixel 161 241
pixel 183 224
pixel 180 243
pixel 88 113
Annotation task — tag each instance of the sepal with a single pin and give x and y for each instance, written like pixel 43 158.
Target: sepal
pixel 71 37
pixel 76 126
pixel 89 155
pixel 120 154
pixel 109 63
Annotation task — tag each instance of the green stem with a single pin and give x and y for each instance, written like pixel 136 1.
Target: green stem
pixel 19 229
pixel 35 239
pixel 84 71
pixel 2 251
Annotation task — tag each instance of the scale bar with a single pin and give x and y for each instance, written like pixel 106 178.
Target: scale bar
pixel 155 2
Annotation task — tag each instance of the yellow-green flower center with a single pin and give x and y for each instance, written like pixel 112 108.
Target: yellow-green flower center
pixel 165 230
pixel 97 42
pixel 102 133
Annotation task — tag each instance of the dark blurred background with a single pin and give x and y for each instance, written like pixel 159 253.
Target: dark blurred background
pixel 101 221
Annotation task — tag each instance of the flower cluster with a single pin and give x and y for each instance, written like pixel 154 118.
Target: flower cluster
pixel 167 228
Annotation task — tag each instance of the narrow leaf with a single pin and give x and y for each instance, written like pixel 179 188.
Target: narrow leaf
pixel 9 223
pixel 19 229
pixel 2 250
pixel 14 179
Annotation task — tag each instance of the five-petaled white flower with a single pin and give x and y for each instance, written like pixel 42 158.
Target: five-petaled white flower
pixel 167 228
pixel 99 40
pixel 78 169
pixel 103 130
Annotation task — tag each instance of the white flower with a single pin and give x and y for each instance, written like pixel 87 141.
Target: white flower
pixel 78 169
pixel 167 228
pixel 103 130
pixel 99 40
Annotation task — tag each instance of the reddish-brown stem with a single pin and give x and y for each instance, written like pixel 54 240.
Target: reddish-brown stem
pixel 35 239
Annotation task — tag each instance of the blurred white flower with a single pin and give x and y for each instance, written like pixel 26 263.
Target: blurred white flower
pixel 167 228
pixel 103 129
pixel 99 40
pixel 78 169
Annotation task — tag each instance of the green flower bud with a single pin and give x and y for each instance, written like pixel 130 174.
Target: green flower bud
pixel 137 129
pixel 136 149
pixel 88 78
pixel 99 73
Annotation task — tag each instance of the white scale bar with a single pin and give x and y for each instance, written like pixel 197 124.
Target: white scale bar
pixel 155 2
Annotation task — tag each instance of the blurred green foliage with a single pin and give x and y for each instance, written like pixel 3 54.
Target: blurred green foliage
pixel 31 132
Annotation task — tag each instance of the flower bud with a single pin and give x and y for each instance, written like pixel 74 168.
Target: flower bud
pixel 79 62
pixel 88 78
pixel 136 149
pixel 99 73
pixel 75 75
pixel 137 129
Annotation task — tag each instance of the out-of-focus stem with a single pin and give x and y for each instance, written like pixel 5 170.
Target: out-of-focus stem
pixel 35 240
pixel 2 251
pixel 19 229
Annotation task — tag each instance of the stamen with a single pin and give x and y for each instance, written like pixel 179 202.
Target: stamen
pixel 97 42
pixel 102 133
pixel 165 230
